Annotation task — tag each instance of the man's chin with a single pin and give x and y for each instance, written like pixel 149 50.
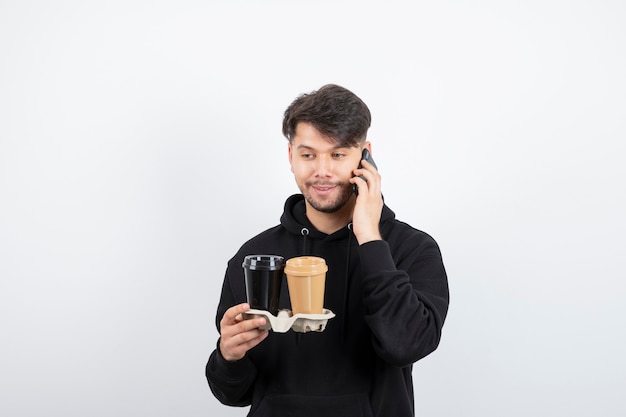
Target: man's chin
pixel 328 206
pixel 329 209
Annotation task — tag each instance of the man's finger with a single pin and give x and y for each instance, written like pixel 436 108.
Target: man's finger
pixel 230 316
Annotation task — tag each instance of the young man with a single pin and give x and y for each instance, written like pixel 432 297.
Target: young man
pixel 386 283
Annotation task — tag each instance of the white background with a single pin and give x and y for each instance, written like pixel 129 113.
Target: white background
pixel 140 145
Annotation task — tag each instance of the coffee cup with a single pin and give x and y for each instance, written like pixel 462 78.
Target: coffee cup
pixel 306 280
pixel 263 278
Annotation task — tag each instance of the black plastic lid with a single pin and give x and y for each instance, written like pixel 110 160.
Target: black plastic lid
pixel 264 262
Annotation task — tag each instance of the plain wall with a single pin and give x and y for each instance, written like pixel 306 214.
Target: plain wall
pixel 140 145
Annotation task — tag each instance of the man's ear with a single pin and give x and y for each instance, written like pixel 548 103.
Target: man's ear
pixel 289 150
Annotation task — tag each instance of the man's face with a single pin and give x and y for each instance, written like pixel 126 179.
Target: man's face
pixel 322 169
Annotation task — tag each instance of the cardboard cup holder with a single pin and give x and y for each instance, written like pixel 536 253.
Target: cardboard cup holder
pixel 285 320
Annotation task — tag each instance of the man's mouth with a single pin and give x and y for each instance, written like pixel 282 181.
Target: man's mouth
pixel 323 188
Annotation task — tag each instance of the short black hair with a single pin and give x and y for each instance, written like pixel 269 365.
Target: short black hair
pixel 334 111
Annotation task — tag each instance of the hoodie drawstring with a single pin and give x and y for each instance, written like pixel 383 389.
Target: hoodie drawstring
pixel 346 288
pixel 305 239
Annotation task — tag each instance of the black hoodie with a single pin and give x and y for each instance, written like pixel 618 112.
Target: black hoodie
pixel 390 298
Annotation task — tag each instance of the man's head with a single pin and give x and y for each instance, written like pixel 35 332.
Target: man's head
pixel 327 131
pixel 334 111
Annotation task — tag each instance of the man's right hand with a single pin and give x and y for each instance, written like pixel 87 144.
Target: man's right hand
pixel 238 336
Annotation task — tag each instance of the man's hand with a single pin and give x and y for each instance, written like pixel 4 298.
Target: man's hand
pixel 238 336
pixel 369 204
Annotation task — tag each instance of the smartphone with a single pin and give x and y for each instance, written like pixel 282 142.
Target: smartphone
pixel 366 155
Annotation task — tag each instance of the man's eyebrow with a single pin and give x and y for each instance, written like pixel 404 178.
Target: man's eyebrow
pixel 303 146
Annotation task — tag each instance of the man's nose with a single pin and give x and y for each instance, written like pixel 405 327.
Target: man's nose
pixel 324 166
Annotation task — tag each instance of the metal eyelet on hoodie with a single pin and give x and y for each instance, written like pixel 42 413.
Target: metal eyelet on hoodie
pixel 304 231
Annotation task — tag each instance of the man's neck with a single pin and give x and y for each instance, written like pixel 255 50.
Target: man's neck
pixel 329 223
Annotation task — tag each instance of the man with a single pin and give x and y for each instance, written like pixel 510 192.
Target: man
pixel 386 283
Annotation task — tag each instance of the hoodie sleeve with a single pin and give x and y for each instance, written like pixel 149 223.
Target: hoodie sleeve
pixel 405 296
pixel 230 382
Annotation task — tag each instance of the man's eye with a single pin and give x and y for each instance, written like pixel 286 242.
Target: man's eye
pixel 307 156
pixel 338 155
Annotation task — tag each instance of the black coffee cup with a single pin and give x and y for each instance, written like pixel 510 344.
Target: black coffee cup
pixel 264 277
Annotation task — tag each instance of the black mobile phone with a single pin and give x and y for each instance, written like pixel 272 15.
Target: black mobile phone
pixel 366 155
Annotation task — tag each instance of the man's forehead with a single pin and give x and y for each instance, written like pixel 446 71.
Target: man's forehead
pixel 308 137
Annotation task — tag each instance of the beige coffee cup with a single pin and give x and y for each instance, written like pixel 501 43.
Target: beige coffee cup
pixel 306 280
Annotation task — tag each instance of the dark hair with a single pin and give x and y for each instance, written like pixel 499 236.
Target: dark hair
pixel 334 111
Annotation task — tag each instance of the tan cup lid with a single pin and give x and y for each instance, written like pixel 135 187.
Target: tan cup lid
pixel 305 265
